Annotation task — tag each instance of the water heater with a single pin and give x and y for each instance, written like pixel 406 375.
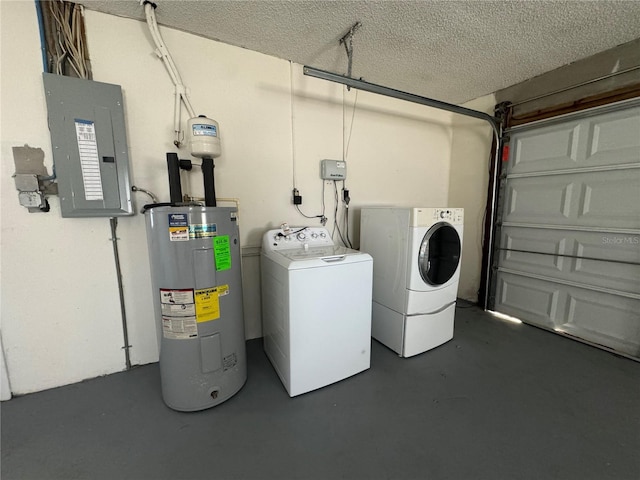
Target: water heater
pixel 194 252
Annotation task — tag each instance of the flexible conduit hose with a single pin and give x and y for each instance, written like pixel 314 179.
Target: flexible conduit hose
pixel 163 52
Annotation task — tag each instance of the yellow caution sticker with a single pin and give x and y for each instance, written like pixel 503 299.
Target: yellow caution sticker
pixel 208 303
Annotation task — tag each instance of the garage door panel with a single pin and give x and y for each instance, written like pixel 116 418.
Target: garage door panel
pixel 520 243
pixel 614 139
pixel 609 199
pixel 536 200
pixel 549 147
pixel 598 263
pixel 531 262
pixel 529 298
pixel 616 247
pixel 604 319
pixel 616 276
pixel 607 140
pixel 571 257
pixel 597 275
pixel 599 317
pixel 568 256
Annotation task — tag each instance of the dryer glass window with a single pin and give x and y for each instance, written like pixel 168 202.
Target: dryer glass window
pixel 439 254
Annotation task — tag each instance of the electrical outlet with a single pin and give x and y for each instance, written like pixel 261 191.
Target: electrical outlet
pixel 297 198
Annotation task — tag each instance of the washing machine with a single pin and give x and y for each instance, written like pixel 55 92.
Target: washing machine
pixel 416 254
pixel 316 308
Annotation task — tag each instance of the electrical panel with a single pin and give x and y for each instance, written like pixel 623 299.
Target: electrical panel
pixel 90 153
pixel 333 170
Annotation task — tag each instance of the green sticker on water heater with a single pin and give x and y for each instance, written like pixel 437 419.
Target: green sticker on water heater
pixel 222 252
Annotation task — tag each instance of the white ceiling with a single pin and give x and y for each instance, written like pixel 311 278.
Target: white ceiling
pixel 452 51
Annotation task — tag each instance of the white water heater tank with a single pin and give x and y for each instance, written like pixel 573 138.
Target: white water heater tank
pixel 203 137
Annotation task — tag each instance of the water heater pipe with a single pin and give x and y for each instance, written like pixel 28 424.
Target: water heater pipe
pixel 209 184
pixel 151 195
pixel 175 187
pixel 429 102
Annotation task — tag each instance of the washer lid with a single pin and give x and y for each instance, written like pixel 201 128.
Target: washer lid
pixel 317 252
pixel 439 254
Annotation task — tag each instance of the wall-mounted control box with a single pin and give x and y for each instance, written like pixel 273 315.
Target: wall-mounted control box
pixel 333 170
pixel 90 153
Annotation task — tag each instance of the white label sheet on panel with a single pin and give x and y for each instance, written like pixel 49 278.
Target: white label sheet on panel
pixel 178 310
pixel 89 161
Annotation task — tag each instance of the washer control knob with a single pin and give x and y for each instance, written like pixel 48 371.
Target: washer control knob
pixel 314 235
pixel 301 236
pixel 323 235
pixel 442 214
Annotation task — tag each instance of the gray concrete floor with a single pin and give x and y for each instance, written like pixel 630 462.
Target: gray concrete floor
pixel 499 401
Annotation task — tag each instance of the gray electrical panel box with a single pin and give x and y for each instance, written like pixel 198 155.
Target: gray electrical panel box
pixel 333 170
pixel 90 153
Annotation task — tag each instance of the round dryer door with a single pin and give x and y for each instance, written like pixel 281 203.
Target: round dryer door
pixel 439 255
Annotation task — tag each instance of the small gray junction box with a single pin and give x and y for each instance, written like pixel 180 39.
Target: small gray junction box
pixel 90 153
pixel 333 170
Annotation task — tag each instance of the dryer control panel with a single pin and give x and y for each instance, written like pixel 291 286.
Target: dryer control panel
pixel 453 215
pixel 296 238
pixel 428 216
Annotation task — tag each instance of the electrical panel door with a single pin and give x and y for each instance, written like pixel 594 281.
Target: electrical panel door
pixel 90 153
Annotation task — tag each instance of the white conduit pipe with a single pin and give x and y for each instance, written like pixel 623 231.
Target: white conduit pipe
pixel 163 52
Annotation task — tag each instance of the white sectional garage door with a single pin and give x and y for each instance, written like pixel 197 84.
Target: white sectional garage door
pixel 569 238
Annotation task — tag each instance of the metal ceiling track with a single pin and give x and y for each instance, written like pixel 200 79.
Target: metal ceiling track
pixel 390 92
pixel 430 102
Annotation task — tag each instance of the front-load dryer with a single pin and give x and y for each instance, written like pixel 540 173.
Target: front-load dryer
pixel 316 308
pixel 416 254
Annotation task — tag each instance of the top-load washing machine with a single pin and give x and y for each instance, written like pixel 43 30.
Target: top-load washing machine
pixel 416 256
pixel 316 308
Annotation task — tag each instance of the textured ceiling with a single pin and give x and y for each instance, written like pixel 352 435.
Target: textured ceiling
pixel 448 50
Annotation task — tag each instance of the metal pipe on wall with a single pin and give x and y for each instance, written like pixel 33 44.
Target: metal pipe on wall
pixel 125 331
pixel 429 102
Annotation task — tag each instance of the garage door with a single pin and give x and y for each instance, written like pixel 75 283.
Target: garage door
pixel 568 253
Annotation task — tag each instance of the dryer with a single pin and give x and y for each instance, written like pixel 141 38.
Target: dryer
pixel 316 308
pixel 416 256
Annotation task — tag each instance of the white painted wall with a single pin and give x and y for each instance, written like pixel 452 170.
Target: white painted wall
pixel 59 299
pixel 468 183
pixel 60 310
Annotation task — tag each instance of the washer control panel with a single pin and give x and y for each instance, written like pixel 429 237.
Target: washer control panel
pixel 304 238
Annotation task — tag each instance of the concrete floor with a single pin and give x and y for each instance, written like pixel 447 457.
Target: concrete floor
pixel 499 401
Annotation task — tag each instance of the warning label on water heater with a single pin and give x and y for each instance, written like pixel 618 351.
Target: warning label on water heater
pixel 208 303
pixel 178 227
pixel 178 310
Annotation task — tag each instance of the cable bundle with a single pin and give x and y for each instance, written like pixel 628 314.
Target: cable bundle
pixel 66 39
